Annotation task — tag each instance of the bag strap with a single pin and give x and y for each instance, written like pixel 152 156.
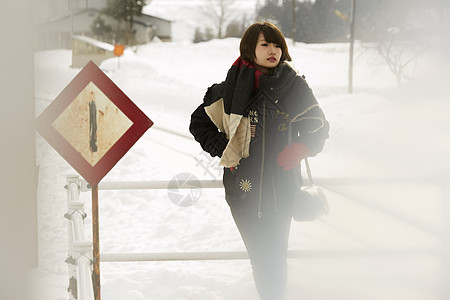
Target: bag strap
pixel 308 169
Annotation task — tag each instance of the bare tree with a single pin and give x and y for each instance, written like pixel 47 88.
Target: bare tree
pixel 399 55
pixel 219 12
pixel 403 33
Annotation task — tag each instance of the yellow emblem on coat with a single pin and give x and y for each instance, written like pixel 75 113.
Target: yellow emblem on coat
pixel 245 185
pixel 282 127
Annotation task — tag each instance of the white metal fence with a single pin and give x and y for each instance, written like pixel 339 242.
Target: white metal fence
pixel 80 249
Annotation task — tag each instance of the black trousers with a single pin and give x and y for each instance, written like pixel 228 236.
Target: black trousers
pixel 266 240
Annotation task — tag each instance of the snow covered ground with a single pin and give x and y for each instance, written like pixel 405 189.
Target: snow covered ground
pixel 379 242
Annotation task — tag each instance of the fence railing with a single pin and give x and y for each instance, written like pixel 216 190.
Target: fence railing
pixel 80 250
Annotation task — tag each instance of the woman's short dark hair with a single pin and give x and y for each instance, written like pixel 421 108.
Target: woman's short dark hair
pixel 271 34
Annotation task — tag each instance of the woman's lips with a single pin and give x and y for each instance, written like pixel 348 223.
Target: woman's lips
pixel 272 59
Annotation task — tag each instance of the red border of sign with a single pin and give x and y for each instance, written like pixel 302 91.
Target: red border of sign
pixel 92 174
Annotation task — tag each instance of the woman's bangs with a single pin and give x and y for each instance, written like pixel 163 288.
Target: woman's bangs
pixel 271 36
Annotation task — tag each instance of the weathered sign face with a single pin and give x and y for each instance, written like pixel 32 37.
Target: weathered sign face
pixel 92 123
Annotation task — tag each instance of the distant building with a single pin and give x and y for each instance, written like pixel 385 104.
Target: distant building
pixel 85 49
pixel 58 20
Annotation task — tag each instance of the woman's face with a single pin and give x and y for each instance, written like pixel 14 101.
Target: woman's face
pixel 267 55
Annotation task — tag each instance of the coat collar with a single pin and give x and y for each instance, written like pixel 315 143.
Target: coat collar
pixel 279 82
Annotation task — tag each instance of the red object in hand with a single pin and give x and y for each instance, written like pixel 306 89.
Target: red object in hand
pixel 292 155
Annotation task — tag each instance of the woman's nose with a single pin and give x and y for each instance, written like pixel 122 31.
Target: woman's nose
pixel 272 49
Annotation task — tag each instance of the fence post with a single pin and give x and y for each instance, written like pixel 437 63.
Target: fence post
pixel 79 249
pixel 85 288
pixel 73 195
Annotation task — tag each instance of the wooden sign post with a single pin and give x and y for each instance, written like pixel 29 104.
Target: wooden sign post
pixel 92 124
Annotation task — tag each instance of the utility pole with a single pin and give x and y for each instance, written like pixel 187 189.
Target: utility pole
pixel 294 31
pixel 71 24
pixel 352 40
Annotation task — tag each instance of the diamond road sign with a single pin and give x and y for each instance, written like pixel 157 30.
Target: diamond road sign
pixel 92 123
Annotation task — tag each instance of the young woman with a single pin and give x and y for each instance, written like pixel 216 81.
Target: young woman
pixel 244 120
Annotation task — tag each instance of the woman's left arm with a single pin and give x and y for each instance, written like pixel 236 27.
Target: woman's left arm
pixel 310 126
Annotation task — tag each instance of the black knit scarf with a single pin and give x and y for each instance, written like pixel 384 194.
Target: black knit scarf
pixel 242 79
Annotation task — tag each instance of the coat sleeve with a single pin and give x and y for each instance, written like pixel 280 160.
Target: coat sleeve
pixel 310 127
pixel 316 141
pixel 203 129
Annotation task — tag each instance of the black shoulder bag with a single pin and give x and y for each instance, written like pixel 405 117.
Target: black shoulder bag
pixel 310 202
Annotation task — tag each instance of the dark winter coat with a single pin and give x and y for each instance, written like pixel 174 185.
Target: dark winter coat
pixel 258 185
